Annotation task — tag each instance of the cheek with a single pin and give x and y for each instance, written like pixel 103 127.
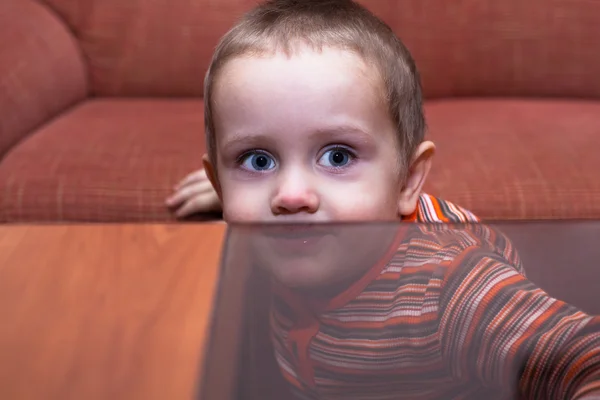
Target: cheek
pixel 244 204
pixel 375 199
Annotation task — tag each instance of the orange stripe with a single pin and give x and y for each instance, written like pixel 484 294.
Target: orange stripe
pixel 438 211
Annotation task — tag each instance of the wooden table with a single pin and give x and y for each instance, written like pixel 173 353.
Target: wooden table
pixel 105 311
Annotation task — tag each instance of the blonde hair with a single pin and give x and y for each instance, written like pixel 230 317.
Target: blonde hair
pixel 283 25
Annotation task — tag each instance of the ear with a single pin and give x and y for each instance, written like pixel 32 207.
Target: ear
pixel 210 170
pixel 416 176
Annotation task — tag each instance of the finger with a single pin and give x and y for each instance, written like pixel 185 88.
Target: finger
pixel 204 185
pixel 188 192
pixel 199 204
pixel 196 176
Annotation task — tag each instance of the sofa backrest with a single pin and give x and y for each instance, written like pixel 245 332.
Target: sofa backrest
pixel 462 47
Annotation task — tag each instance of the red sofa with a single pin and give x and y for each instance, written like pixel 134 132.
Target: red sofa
pixel 101 103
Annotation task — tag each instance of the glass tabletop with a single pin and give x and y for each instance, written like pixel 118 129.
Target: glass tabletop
pixel 326 266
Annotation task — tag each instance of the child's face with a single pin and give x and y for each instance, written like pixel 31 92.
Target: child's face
pixel 308 138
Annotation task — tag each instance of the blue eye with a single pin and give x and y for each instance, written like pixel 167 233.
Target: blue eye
pixel 336 158
pixel 256 161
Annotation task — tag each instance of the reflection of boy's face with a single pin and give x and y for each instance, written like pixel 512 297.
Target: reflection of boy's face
pixel 306 138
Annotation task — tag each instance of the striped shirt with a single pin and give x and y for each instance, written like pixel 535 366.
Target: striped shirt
pixel 448 315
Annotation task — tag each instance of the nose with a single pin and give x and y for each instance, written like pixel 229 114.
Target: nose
pixel 294 194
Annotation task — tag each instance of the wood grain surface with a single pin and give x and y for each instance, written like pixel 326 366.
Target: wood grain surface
pixel 105 311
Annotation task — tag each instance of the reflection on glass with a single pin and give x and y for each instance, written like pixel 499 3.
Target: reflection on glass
pixel 407 310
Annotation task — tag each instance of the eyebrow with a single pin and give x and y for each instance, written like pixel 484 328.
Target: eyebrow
pixel 336 132
pixel 341 131
pixel 246 139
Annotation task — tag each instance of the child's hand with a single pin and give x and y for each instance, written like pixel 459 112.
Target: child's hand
pixel 194 194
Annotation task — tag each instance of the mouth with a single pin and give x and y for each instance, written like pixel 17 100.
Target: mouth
pixel 305 231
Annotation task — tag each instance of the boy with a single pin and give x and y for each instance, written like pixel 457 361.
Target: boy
pixel 313 114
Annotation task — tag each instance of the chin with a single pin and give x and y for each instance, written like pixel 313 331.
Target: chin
pixel 296 276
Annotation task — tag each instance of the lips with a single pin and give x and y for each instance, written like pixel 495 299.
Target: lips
pixel 296 231
pixel 295 245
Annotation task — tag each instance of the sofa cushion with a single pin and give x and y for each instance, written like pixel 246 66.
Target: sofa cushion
pixel 149 47
pixel 105 160
pixel 42 72
pixel 462 47
pixel 517 159
pixel 500 48
pixel 117 160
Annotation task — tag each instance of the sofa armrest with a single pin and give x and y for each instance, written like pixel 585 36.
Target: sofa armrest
pixel 42 71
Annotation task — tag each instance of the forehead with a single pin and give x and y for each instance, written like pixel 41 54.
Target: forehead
pixel 304 59
pixel 306 85
pixel 328 68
